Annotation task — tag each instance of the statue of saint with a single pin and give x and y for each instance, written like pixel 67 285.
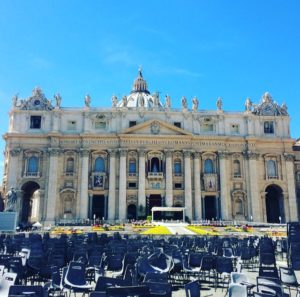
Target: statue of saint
pixel 87 100
pixel 11 197
pixel 155 99
pixel 248 104
pixel 114 101
pixel 219 103
pixel 195 104
pixel 168 101
pixel 184 102
pixel 58 100
pixel 15 100
pixel 124 100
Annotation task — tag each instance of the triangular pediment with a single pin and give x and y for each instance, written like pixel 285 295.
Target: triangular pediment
pixel 155 127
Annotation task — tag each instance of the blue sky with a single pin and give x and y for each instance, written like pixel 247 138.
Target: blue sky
pixel 209 49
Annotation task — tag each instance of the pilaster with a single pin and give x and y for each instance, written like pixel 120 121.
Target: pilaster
pixel 52 185
pixel 225 198
pixel 290 177
pixel 188 184
pixel 256 203
pixel 122 185
pixel 169 178
pixel 142 180
pixel 197 185
pixel 112 186
pixel 84 200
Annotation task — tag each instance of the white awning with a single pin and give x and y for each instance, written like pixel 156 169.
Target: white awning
pixel 166 208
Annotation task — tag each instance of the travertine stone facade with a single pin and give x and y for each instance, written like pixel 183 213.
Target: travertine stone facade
pixel 117 163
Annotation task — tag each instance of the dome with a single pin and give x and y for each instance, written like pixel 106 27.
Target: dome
pixel 140 97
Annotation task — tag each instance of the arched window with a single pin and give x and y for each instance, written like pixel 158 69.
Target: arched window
pixel 236 168
pixel 70 165
pixel 208 166
pixel 177 166
pixel 155 165
pixel 99 165
pixel 271 168
pixel 132 166
pixel 33 165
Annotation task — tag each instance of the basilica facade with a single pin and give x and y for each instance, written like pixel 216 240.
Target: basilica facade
pixel 117 163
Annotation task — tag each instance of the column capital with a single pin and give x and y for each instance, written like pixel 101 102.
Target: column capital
pixel 141 152
pixel 15 152
pixel 187 153
pixel 197 155
pixel 123 152
pixel 289 157
pixel 54 151
pixel 223 154
pixel 84 152
pixel 251 155
pixel 112 153
pixel 168 153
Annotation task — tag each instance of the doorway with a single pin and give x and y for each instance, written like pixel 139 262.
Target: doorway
pixel 210 207
pixel 274 204
pixel 30 210
pixel 98 207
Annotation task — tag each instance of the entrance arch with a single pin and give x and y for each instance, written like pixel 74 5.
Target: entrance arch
pixel 274 204
pixel 131 212
pixel 30 203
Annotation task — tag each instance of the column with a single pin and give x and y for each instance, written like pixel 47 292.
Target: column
pixel 52 185
pixel 254 189
pixel 84 185
pixel 112 186
pixel 122 185
pixel 169 178
pixel 86 122
pixel 13 166
pixel 287 215
pixel 188 184
pixel 290 177
pixel 197 186
pixel 225 193
pixel 142 181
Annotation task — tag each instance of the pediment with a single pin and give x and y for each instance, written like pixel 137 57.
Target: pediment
pixel 155 127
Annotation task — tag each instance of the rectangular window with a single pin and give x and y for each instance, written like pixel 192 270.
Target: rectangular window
pixel 177 124
pixel 207 128
pixel 178 185
pixel 100 125
pixel 35 122
pixel 235 129
pixel 71 125
pixel 132 123
pixel 132 185
pixel 268 127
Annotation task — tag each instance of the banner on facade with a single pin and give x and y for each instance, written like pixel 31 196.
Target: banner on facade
pixel 8 221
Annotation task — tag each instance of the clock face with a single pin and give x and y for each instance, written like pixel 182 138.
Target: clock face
pixel 37 102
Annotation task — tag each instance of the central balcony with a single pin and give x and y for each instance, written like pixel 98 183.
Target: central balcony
pixel 155 175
